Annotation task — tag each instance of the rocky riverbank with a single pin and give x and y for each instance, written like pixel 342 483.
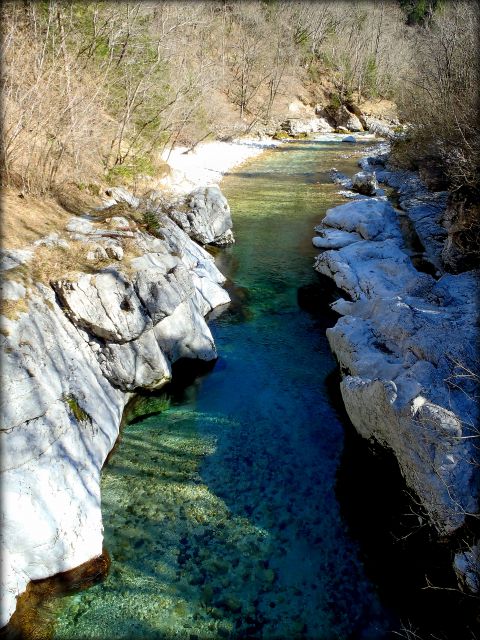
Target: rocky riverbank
pixel 91 314
pixel 406 343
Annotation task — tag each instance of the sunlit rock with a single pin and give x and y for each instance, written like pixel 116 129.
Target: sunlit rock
pixel 405 344
pixel 69 366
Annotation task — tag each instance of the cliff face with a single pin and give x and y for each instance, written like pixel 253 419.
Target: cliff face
pixel 71 361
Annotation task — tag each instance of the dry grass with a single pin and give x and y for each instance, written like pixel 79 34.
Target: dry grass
pixel 54 263
pixel 11 309
pixel 380 109
pixel 26 218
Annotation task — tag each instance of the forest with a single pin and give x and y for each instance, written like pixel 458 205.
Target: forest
pixel 98 90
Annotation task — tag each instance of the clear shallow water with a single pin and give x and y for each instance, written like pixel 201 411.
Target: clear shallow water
pixel 220 511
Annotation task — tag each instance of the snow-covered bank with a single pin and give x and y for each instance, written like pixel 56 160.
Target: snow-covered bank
pixel 406 345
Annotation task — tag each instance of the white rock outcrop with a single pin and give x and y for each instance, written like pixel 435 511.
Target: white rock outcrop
pixel 402 343
pixel 295 126
pixel 69 366
pixel 205 217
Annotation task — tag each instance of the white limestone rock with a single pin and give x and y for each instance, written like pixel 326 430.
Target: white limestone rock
pixel 80 224
pixel 139 364
pixel 185 334
pixel 161 292
pixel 379 127
pixel 68 367
pixel 206 217
pixel 105 304
pixel 402 343
pixel 52 461
pixel 211 294
pixel 12 290
pixel 97 253
pixel 114 251
pixel 120 194
pixel 13 258
pixel 335 239
pixel 372 218
pixel 296 126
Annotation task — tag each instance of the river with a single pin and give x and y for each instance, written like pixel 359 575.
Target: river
pixel 220 502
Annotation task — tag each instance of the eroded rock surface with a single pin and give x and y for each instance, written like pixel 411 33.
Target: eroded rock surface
pixel 405 343
pixel 69 366
pixel 296 126
pixel 205 217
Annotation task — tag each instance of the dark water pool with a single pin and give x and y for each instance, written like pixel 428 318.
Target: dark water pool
pixel 220 510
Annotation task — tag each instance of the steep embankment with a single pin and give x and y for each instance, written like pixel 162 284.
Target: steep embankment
pixel 406 345
pixel 90 314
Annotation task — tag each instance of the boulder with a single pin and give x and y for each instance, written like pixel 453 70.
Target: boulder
pixel 206 217
pixel 139 364
pixel 120 194
pixel 379 127
pixel 345 119
pixel 365 183
pixel 105 304
pixel 296 126
pixel 370 218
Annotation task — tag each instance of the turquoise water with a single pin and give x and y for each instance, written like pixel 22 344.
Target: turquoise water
pixel 220 511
